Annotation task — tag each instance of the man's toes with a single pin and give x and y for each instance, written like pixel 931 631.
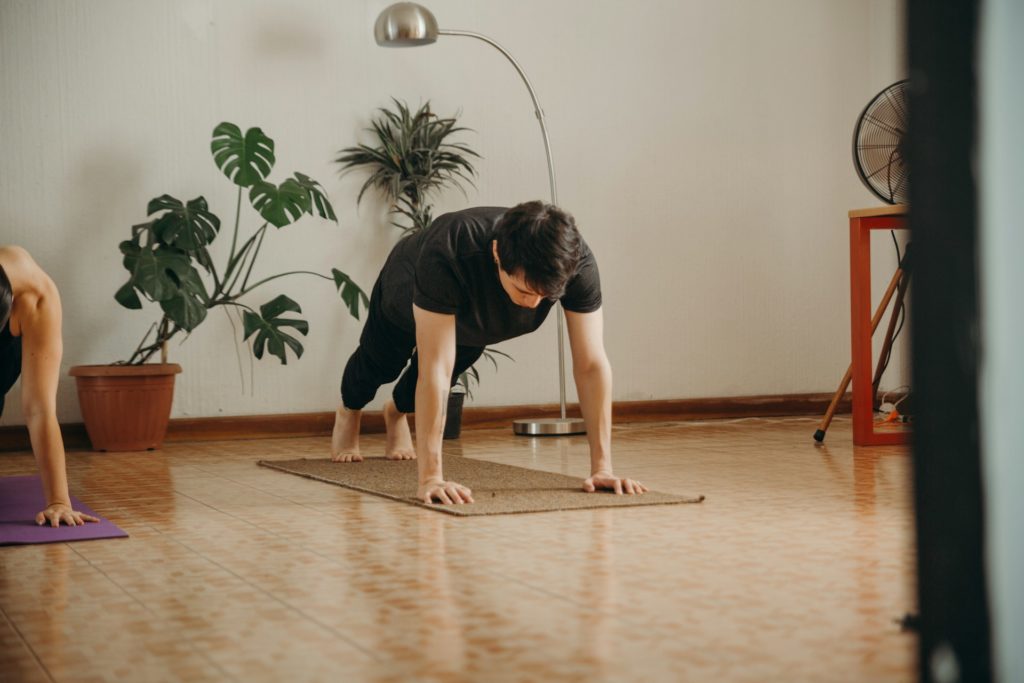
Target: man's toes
pixel 401 455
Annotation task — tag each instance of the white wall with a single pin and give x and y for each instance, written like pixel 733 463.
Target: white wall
pixel 703 147
pixel 1002 281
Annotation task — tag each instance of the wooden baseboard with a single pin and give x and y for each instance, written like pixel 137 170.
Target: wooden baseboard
pixel 15 438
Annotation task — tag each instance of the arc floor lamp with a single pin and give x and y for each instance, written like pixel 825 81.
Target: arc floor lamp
pixel 407 24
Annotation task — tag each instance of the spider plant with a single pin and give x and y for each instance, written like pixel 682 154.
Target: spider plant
pixel 411 157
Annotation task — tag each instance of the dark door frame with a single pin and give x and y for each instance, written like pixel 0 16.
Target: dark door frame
pixel 948 496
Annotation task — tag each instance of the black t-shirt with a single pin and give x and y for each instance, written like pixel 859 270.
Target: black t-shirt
pixel 449 268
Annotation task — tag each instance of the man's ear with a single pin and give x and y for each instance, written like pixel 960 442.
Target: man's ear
pixel 494 250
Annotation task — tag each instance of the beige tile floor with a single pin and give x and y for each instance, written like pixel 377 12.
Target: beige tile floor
pixel 793 569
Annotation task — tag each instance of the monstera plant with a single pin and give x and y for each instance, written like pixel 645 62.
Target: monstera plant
pixel 168 255
pixel 169 262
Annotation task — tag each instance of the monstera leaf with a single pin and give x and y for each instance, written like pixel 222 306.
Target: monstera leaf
pixel 186 226
pixel 166 275
pixel 280 204
pixel 268 326
pixel 149 269
pixel 205 260
pixel 317 199
pixel 127 297
pixel 245 160
pixel 350 292
pixel 188 307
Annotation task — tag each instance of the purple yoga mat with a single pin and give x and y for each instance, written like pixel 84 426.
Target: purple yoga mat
pixel 21 499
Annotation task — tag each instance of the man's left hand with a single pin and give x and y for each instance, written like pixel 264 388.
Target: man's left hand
pixel 610 482
pixel 58 512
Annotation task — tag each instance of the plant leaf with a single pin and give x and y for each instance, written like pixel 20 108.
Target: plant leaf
pixel 185 310
pixel 268 326
pixel 245 160
pixel 205 260
pixel 189 305
pixel 149 276
pixel 317 199
pixel 412 156
pixel 166 275
pixel 280 204
pixel 350 292
pixel 186 226
pixel 127 297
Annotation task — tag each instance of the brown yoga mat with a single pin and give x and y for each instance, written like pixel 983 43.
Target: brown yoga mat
pixel 497 489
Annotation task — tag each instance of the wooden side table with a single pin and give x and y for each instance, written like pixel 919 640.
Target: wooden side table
pixel 862 222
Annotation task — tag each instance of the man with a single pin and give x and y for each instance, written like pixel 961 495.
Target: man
pixel 31 346
pixel 473 278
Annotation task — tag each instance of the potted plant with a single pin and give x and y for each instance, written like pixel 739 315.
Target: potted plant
pixel 464 388
pixel 126 406
pixel 412 158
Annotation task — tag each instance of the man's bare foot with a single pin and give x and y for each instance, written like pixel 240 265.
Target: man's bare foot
pixel 345 439
pixel 399 444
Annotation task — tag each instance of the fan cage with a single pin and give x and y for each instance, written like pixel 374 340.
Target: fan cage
pixel 878 144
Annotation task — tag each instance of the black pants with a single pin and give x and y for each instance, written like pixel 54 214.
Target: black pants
pixel 10 362
pixel 384 351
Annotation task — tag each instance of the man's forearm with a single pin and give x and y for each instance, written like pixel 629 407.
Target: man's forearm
pixel 594 386
pixel 48 447
pixel 431 406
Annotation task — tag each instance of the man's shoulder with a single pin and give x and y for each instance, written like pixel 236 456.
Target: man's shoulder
pixel 476 217
pixel 476 211
pixel 464 231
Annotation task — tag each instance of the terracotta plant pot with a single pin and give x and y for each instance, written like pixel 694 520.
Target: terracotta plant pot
pixel 126 407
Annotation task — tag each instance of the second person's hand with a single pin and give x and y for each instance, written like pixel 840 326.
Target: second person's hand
pixel 59 512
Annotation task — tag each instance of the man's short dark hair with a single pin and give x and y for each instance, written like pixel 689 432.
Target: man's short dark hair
pixel 6 298
pixel 540 242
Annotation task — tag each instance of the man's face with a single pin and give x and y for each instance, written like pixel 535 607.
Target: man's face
pixel 515 285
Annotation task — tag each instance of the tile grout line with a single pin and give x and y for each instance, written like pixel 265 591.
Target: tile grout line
pixel 25 642
pixel 265 592
pixel 145 607
pixel 292 502
pixel 524 584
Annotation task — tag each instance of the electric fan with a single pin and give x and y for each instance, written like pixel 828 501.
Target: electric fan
pixel 878 144
pixel 879 140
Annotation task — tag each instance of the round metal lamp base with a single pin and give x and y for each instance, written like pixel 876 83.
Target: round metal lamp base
pixel 549 426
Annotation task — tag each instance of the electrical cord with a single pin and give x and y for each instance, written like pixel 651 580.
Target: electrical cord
pixel 884 362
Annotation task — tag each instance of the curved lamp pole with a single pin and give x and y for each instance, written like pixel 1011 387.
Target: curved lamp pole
pixel 406 24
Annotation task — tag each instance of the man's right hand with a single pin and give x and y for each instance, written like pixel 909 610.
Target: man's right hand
pixel 444 492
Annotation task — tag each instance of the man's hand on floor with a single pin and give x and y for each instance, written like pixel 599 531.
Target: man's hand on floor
pixel 444 492
pixel 58 512
pixel 609 482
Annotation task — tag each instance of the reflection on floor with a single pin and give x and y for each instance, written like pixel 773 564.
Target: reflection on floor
pixel 794 569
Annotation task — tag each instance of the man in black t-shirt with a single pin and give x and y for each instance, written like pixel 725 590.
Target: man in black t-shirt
pixel 473 278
